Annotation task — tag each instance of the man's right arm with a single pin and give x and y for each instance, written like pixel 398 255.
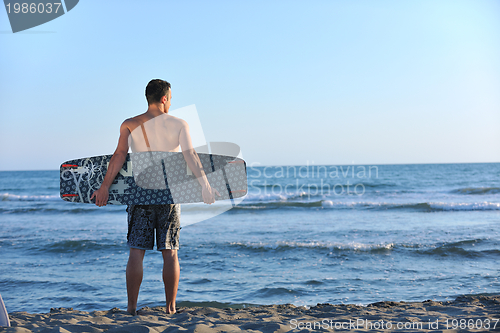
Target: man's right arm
pixel 115 165
pixel 194 163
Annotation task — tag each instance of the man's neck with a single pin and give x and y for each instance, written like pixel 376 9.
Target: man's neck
pixel 157 110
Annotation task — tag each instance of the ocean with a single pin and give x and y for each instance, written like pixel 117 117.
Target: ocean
pixel 303 235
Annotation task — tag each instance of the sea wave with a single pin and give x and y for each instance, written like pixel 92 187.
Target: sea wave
pixel 329 204
pixel 75 246
pixel 476 248
pixel 330 246
pixel 46 209
pixel 245 206
pixel 215 304
pixel 472 248
pixel 477 190
pixel 270 292
pixel 470 206
pixel 11 283
pixel 270 197
pixel 16 197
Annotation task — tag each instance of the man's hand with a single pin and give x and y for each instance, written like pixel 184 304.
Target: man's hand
pixel 208 194
pixel 101 196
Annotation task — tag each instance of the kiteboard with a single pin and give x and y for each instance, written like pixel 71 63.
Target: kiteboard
pixel 153 178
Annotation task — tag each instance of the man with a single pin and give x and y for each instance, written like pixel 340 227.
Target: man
pixel 165 133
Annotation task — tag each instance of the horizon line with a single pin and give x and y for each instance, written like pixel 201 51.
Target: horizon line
pixel 312 165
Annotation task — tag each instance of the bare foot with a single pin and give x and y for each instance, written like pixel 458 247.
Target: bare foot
pixel 133 312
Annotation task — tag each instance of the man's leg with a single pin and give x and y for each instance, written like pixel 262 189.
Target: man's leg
pixel 171 272
pixel 134 278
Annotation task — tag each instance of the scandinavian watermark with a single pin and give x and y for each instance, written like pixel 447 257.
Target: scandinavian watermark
pixel 310 179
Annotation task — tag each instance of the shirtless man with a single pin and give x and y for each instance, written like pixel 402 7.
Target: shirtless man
pixel 172 133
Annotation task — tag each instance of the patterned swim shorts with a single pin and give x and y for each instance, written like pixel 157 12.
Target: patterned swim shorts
pixel 143 220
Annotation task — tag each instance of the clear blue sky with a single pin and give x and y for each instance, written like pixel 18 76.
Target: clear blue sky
pixel 291 82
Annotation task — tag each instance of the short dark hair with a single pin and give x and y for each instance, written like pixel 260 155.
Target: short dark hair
pixel 156 89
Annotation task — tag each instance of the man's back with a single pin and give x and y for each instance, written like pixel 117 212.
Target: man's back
pixel 160 133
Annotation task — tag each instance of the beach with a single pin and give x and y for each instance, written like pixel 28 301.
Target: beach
pixel 465 313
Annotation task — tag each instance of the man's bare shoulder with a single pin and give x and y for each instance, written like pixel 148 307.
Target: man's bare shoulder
pixel 178 121
pixel 134 122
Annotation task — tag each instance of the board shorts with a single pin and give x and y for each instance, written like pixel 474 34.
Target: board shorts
pixel 143 220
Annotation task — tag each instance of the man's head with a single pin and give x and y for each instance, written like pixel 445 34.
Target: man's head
pixel 156 90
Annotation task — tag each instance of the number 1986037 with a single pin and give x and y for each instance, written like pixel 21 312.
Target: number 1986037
pixel 33 8
pixel 471 324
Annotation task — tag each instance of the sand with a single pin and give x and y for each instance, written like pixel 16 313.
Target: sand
pixel 465 314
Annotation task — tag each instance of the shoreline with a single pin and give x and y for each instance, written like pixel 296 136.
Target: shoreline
pixel 476 313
